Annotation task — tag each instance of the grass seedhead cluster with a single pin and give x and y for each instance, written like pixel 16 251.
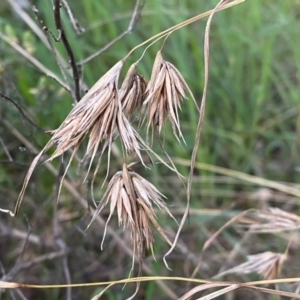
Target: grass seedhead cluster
pixel 133 197
pixel 105 111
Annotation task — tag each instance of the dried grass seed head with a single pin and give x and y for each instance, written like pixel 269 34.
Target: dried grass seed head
pixel 267 264
pixel 164 92
pixel 88 112
pixel 147 192
pixel 273 220
pixel 85 116
pixel 100 114
pixel 133 197
pixel 132 91
pixel 118 200
pixel 145 228
pixel 128 136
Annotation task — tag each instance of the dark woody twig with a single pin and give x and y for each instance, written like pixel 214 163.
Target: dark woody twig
pixel 63 37
pixel 48 43
pixel 43 34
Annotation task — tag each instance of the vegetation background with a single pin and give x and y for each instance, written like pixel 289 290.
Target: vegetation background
pixel 252 125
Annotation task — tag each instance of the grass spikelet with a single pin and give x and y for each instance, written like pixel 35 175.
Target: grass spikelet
pixel 132 91
pixel 128 136
pixel 87 113
pixel 133 197
pixel 272 220
pixel 164 92
pixel 267 264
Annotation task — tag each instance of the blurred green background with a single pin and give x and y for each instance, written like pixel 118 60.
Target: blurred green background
pixel 251 125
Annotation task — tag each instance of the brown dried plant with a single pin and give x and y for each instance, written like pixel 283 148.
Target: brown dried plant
pixel 267 264
pixel 99 115
pixel 132 91
pixel 164 92
pixel 104 113
pixel 95 109
pixel 271 220
pixel 133 198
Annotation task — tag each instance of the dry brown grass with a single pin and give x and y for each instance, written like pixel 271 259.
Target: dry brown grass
pixel 132 91
pixel 271 220
pixel 267 264
pixel 164 92
pixel 133 197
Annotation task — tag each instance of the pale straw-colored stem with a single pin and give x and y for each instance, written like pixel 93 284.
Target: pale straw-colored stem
pixel 201 116
pixel 183 24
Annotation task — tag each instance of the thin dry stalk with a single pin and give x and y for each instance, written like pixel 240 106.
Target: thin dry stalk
pixel 235 286
pixel 200 288
pixel 199 128
pixel 284 188
pixel 267 264
pixel 185 23
pixel 209 242
pixel 136 13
